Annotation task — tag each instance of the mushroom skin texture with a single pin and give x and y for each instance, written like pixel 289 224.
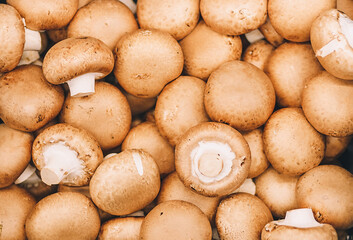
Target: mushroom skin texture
pixel 293 19
pixel 45 15
pixel 139 105
pixel 212 158
pixel 258 53
pixel 327 102
pixel 328 191
pixel 121 229
pixel 239 94
pixel 335 146
pixel 176 219
pixel 345 6
pixel 15 154
pixel 64 215
pixel 66 154
pixel 241 216
pixel 233 17
pixel 270 33
pixel 125 183
pixel 27 100
pixel 332 41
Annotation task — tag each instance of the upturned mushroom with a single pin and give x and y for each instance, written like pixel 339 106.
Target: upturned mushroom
pixel 121 229
pixel 258 53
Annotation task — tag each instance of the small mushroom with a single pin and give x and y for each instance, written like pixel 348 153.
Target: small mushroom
pixel 139 105
pixel 335 146
pixel 270 33
pixel 258 53
pixel 121 229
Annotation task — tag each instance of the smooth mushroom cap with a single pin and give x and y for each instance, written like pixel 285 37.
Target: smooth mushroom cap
pixel 176 219
pixel 64 215
pixel 27 100
pixel 44 15
pixel 139 105
pixel 258 53
pixel 270 33
pixel 335 146
pixel 121 229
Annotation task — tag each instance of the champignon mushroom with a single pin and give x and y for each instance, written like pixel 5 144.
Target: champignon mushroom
pixel 258 53
pixel 335 146
pixel 121 229
pixel 270 33
pixel 139 105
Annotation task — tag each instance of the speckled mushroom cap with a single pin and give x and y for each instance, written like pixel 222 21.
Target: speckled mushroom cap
pixel 15 154
pixel 121 229
pixel 15 205
pixel 291 144
pixel 125 183
pixel 27 100
pixel 12 40
pixel 333 43
pixel 179 107
pixel 328 191
pixel 293 19
pixel 142 58
pixel 176 219
pixel 241 216
pixel 258 53
pixel 64 215
pixel 270 33
pixel 233 17
pixel 78 140
pixel 44 15
pixel 212 158
pixel 240 94
pixel 327 102
pixel 106 20
pixel 205 50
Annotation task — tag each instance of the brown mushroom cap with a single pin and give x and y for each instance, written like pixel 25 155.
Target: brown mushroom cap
pixel 241 216
pixel 216 170
pixel 258 53
pixel 233 17
pixel 121 229
pixel 64 215
pixel 328 191
pixel 125 183
pixel 205 50
pixel 327 104
pixel 291 144
pixel 57 35
pixel 139 105
pixel 270 33
pixel 176 219
pixel 44 15
pixel 345 6
pixel 27 100
pixel 293 19
pixel 335 146
pixel 12 40
pixel 240 94
pixel 15 205
pixel 179 107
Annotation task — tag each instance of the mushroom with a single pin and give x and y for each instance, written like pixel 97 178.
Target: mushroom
pixel 176 219
pixel 178 18
pixel 254 36
pixel 64 215
pixel 298 224
pixel 258 53
pixel 81 61
pixel 179 107
pixel 205 50
pixel 66 154
pixel 241 216
pixel 15 205
pixel 239 94
pixel 335 146
pixel 139 105
pixel 121 229
pixel 248 186
pixel 345 6
pixel 328 191
pixel 212 158
pixel 27 100
pixel 291 144
pixel 270 33
pixel 141 58
pixel 125 183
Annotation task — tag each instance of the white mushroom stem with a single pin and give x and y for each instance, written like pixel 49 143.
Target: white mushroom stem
pixel 29 57
pixel 254 36
pixel 33 40
pixel 300 218
pixel 138 163
pixel 83 85
pixel 60 161
pixel 346 25
pixel 109 156
pixel 248 186
pixel 130 4
pixel 27 173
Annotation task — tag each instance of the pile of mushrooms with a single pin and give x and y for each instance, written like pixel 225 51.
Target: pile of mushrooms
pixel 163 119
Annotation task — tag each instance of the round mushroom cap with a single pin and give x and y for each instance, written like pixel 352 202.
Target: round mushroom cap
pixel 142 58
pixel 239 94
pixel 327 104
pixel 125 183
pixel 57 35
pixel 270 33
pixel 45 15
pixel 205 50
pixel 73 57
pixel 328 191
pixel 12 39
pixel 258 53
pixel 293 19
pixel 15 154
pixel 27 100
pixel 139 105
pixel 233 17
pixel 212 158
pixel 176 219
pixel 121 229
pixel 64 215
pixel 291 144
pixel 242 216
pixel 106 20
pixel 15 205
pixel 335 146
pixel 178 18
pixel 179 107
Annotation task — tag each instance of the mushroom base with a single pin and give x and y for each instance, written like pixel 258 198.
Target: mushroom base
pixel 83 85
